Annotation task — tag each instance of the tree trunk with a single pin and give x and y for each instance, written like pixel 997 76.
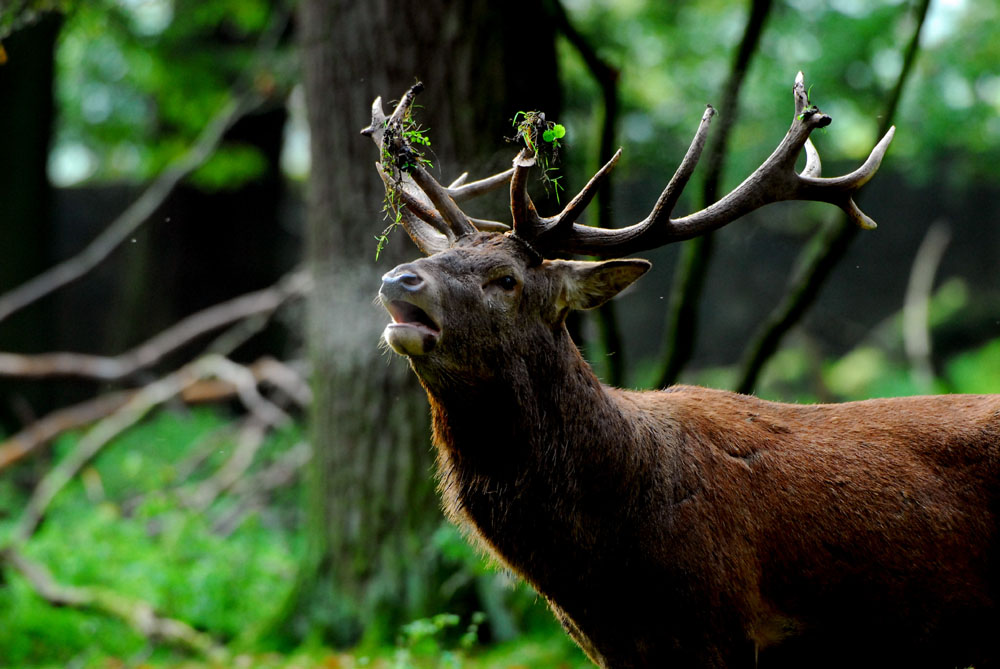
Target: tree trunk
pixel 372 505
pixel 25 223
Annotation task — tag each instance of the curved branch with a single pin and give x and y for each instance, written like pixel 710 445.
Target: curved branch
pixel 104 368
pixel 134 216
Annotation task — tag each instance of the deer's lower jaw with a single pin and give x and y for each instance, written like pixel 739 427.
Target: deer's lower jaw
pixel 411 338
pixel 412 331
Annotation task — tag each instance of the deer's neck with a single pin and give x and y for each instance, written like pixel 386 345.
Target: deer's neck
pixel 552 450
pixel 544 409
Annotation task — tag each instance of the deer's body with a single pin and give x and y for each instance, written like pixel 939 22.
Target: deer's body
pixel 700 528
pixel 687 527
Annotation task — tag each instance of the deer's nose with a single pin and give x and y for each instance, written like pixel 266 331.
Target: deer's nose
pixel 401 280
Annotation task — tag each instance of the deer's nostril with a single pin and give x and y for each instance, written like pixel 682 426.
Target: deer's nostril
pixel 401 281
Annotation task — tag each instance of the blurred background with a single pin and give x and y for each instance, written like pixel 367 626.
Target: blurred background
pixel 206 459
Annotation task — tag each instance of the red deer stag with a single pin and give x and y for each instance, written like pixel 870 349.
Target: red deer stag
pixel 686 527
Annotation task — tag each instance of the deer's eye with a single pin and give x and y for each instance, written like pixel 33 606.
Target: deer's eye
pixel 507 282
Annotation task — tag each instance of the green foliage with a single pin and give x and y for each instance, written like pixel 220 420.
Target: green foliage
pixel 424 639
pixel 17 14
pixel 878 366
pixel 231 164
pixel 136 83
pixel 532 126
pixel 124 526
pixel 976 371
pixel 406 159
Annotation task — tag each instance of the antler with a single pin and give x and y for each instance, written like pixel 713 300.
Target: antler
pixel 775 180
pixel 434 220
pixel 427 210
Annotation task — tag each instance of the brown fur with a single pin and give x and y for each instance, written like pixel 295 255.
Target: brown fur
pixel 699 528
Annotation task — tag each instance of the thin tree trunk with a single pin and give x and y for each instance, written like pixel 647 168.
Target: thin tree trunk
pixel 826 248
pixel 696 254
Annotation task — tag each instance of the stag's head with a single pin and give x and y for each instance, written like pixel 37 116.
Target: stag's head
pixel 488 291
pixel 490 299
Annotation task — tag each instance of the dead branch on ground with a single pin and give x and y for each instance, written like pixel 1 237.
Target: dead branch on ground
pixel 138 614
pixel 137 406
pixel 280 375
pixel 248 441
pixel 254 490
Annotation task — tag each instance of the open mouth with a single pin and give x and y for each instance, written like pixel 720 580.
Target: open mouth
pixel 412 331
pixel 406 314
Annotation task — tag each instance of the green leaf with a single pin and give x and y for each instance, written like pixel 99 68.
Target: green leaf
pixel 555 132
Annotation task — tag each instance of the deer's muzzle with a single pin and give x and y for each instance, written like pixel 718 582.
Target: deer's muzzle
pixel 404 295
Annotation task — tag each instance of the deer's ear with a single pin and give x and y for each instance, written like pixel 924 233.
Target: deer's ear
pixel 587 284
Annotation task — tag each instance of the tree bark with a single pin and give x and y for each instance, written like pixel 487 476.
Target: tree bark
pixel 25 219
pixel 372 506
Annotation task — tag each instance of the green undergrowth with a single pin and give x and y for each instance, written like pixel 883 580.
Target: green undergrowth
pixel 127 524
pixel 124 524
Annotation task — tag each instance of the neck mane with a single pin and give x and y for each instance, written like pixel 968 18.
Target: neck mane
pixel 554 439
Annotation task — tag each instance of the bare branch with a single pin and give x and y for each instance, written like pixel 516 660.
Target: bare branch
pixel 245 383
pixel 62 420
pixel 825 250
pixel 128 415
pixel 237 380
pixel 132 218
pixel 255 489
pixel 266 370
pixel 248 441
pixel 285 378
pixel 262 302
pixel 916 332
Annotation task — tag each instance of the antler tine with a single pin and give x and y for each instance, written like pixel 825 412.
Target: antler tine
pixel 428 240
pixel 814 167
pixel 840 190
pixel 461 191
pixel 526 222
pixel 775 180
pixel 446 206
pixel 575 207
pixel 412 199
pixel 549 231
pixel 671 194
pixel 484 225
